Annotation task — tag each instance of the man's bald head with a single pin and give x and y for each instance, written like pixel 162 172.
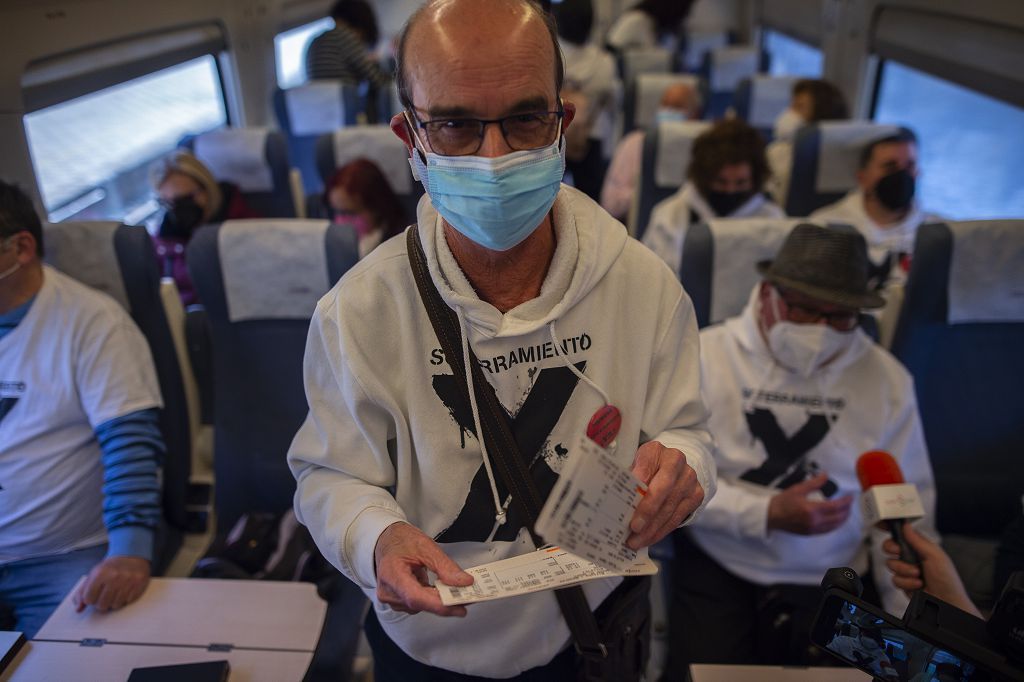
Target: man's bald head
pixel 473 24
pixel 683 97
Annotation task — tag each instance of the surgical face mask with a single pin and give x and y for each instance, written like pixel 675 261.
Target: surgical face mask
pixel 356 221
pixel 497 202
pixel 180 219
pixel 896 190
pixel 669 115
pixel 724 203
pixel 804 348
pixel 787 124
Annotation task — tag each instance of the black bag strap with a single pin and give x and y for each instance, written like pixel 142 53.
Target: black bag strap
pixel 503 450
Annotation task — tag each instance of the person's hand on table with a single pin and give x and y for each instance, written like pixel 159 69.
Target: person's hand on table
pixel 112 584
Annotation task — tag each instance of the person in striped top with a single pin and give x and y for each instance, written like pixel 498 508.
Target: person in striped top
pixel 79 441
pixel 344 52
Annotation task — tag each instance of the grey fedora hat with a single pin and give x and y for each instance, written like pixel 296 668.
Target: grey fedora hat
pixel 826 263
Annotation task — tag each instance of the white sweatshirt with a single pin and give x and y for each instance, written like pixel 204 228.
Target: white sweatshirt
pixel 670 220
pixel 388 439
pixel 882 239
pixel 864 400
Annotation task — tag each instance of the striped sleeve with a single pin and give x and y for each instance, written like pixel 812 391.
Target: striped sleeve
pixel 340 54
pixel 132 450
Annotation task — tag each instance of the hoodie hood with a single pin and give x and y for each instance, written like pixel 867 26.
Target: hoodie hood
pixel 582 258
pixel 744 328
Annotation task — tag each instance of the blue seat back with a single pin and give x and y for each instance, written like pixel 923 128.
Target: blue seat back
pixel 378 144
pixel 255 159
pixel 723 69
pixel 259 281
pixel 308 111
pixel 120 261
pixel 960 333
pixel 718 262
pixel 663 164
pixel 826 157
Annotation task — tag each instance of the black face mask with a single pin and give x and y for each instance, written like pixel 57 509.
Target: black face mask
pixel 896 190
pixel 724 203
pixel 182 217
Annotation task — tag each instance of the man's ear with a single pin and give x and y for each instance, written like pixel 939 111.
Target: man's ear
pixel 26 247
pixel 400 127
pixel 861 179
pixel 570 113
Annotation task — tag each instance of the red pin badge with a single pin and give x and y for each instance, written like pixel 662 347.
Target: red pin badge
pixel 604 425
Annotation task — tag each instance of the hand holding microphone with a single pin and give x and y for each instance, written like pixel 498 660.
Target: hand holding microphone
pixel 888 500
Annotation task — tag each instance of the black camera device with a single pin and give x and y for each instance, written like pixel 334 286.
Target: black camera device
pixel 934 641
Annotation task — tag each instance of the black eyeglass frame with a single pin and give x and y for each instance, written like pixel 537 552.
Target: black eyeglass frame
pixel 483 123
pixel 813 316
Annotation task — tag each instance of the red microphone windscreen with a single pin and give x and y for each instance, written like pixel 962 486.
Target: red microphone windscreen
pixel 878 468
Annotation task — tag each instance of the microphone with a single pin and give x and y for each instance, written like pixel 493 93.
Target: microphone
pixel 887 499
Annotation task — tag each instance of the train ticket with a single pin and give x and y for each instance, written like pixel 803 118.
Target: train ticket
pixel 544 569
pixel 590 507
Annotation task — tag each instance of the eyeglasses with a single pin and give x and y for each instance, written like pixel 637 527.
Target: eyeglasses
pixel 465 136
pixel 842 320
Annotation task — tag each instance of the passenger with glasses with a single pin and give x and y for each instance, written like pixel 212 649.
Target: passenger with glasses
pixel 566 318
pixel 797 393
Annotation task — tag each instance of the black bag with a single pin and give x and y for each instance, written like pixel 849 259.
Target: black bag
pixel 614 643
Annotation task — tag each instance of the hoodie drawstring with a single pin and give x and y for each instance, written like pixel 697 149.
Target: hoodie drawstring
pixel 500 515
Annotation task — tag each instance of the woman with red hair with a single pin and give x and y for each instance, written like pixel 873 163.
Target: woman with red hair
pixel 359 195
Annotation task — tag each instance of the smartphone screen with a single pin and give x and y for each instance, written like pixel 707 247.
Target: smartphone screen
pixel 874 642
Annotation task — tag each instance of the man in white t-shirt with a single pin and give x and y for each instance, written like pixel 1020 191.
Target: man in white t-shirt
pixel 883 205
pixel 79 440
pixel 797 392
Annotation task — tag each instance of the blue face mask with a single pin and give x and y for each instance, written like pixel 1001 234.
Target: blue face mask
pixel 496 202
pixel 666 115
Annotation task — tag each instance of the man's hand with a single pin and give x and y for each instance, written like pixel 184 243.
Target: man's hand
pixel 937 575
pixel 792 512
pixel 402 556
pixel 673 493
pixel 113 583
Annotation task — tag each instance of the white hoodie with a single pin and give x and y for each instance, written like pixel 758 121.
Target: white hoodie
pixel 863 400
pixel 882 240
pixel 670 219
pixel 387 438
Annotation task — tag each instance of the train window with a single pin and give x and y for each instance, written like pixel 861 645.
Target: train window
pixel 93 154
pixel 290 50
pixel 791 57
pixel 970 144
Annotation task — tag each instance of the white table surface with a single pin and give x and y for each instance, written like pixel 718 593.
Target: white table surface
pixel 62 662
pixel 244 613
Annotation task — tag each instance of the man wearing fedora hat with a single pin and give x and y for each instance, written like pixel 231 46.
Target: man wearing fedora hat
pixel 797 392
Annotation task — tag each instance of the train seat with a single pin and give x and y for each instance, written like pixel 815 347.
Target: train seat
pixel 120 261
pixel 378 144
pixel 305 112
pixel 826 156
pixel 960 334
pixel 259 281
pixel 700 41
pixel 663 163
pixel 634 61
pixel 760 99
pixel 643 97
pixel 723 69
pixel 718 262
pixel 255 159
